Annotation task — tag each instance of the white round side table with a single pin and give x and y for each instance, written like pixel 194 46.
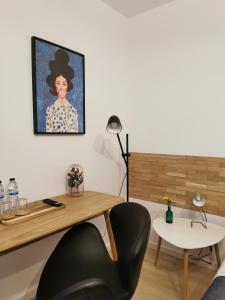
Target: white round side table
pixel 181 234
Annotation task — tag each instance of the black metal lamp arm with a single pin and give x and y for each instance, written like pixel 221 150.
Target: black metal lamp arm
pixel 125 158
pixel 124 155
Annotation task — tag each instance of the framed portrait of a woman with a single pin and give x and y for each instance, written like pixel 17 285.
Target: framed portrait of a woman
pixel 58 89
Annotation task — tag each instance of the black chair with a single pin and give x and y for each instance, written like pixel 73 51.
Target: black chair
pixel 80 267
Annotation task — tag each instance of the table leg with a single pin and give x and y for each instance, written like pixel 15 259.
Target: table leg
pixel 110 234
pixel 217 255
pixel 158 250
pixel 186 290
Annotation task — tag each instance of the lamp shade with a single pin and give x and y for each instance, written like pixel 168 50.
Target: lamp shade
pixel 199 200
pixel 114 125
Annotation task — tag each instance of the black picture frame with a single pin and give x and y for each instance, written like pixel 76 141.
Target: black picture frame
pixel 58 80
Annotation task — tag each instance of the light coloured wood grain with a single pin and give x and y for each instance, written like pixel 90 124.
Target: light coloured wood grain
pixel 158 250
pixel 77 210
pixel 217 255
pixel 185 276
pixel 110 234
pixel 180 177
pixel 164 282
pixel 36 209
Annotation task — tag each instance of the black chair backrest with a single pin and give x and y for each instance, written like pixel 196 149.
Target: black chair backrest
pixel 131 228
pixel 80 267
pixel 79 261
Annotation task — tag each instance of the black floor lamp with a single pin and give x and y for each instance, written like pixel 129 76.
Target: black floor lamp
pixel 114 126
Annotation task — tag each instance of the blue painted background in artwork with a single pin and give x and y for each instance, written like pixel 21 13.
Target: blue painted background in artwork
pixel 44 53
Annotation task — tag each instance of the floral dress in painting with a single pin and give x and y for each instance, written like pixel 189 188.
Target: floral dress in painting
pixel 61 117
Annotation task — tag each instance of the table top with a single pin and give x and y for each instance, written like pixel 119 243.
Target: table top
pixel 77 210
pixel 182 235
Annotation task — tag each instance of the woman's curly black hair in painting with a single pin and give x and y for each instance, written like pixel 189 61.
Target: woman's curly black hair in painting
pixel 58 67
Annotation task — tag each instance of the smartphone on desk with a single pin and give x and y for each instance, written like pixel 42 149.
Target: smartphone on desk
pixel 52 202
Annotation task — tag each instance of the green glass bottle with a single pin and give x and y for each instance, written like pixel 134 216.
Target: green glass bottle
pixel 169 215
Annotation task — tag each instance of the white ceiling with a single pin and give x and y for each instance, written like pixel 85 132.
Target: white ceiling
pixel 130 8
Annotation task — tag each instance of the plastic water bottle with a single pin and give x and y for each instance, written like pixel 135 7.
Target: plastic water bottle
pixel 1 191
pixel 13 192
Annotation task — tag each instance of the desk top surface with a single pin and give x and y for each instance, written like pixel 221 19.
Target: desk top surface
pixel 77 209
pixel 182 235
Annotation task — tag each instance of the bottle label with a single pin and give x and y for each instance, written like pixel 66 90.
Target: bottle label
pixel 13 193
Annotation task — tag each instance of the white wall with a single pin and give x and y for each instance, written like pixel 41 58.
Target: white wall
pixel 176 84
pixel 39 163
pixel 177 75
pixel 176 100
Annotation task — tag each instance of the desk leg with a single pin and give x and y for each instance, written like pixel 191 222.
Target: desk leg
pixel 217 255
pixel 110 234
pixel 186 288
pixel 158 250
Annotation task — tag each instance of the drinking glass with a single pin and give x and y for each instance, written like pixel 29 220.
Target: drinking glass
pixel 21 207
pixel 8 211
pixel 1 209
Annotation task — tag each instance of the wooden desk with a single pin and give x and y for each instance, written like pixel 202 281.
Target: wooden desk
pixel 77 210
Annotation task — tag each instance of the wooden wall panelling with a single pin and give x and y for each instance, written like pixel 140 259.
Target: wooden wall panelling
pixel 179 176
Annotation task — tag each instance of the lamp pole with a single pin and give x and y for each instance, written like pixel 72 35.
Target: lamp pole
pixel 127 153
pixel 114 126
pixel 126 160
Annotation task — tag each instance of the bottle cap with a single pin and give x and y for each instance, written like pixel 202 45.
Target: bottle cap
pixel 11 179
